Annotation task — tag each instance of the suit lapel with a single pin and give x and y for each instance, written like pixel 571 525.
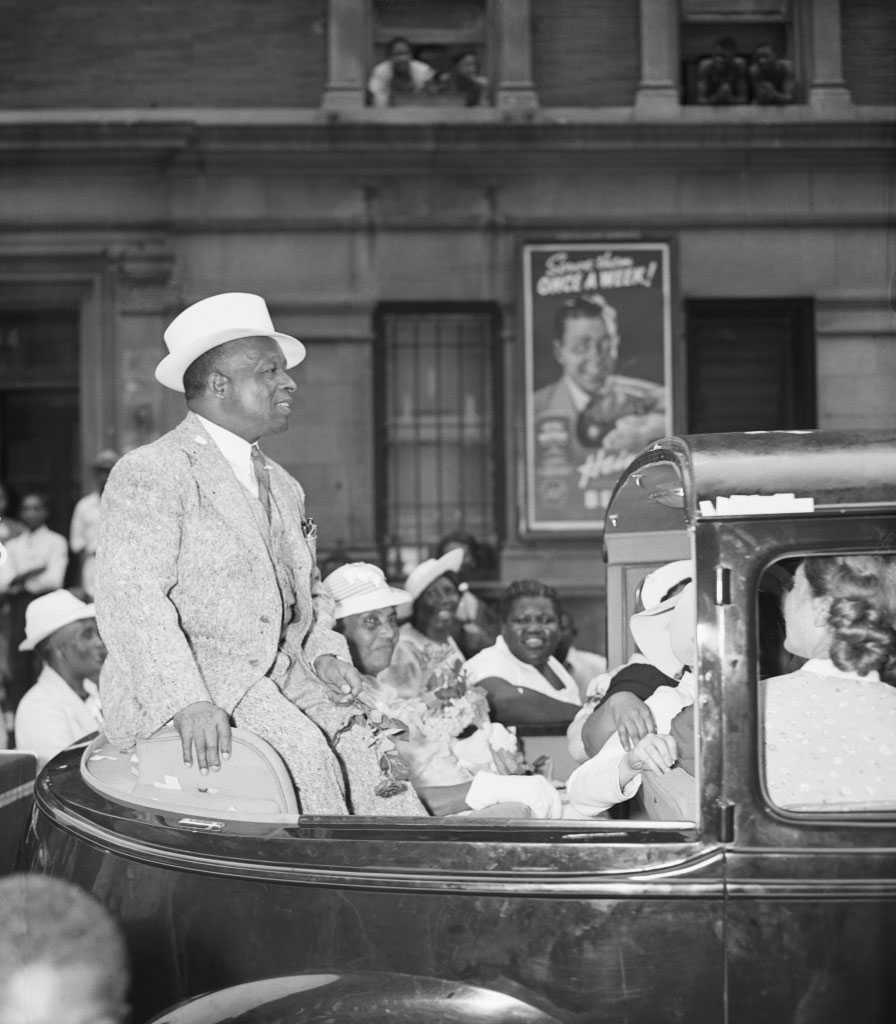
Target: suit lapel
pixel 219 487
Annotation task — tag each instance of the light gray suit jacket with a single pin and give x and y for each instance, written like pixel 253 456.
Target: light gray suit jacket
pixel 187 598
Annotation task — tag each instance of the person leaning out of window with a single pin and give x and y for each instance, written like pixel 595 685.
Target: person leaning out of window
pixel 400 75
pixel 771 78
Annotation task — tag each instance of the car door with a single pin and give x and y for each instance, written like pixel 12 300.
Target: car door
pixel 810 921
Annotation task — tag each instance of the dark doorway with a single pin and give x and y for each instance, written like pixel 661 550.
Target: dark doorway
pixel 751 365
pixel 39 407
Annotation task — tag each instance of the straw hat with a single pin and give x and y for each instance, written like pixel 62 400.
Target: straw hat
pixel 45 615
pixel 361 587
pixel 429 571
pixel 214 321
pixel 651 626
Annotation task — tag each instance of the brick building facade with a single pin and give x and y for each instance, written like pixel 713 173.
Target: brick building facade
pixel 159 151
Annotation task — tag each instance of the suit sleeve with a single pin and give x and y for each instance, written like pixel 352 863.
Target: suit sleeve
pixel 136 570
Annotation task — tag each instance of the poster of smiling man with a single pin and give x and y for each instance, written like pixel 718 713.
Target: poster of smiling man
pixel 597 323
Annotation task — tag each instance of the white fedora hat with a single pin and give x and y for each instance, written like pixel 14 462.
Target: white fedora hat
pixel 214 321
pixel 429 571
pixel 51 612
pixel 361 587
pixel 651 626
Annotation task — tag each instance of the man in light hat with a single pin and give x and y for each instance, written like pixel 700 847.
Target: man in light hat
pixel 207 590
pixel 86 519
pixel 616 700
pixel 617 770
pixel 63 705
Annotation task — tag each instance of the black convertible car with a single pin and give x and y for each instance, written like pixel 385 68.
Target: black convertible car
pixel 748 912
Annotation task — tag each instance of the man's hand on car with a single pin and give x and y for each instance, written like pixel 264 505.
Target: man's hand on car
pixel 206 728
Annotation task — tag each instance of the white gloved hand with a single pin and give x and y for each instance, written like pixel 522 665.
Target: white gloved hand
pixel 533 790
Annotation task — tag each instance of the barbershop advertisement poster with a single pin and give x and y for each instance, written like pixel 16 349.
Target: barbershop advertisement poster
pixel 597 328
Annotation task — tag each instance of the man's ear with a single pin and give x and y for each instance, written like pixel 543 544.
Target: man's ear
pixel 218 384
pixel 557 346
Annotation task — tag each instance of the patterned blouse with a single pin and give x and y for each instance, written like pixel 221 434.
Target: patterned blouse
pixel 830 739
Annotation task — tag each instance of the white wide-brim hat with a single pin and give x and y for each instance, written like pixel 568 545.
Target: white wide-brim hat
pixel 214 321
pixel 429 571
pixel 426 573
pixel 51 612
pixel 651 626
pixel 361 587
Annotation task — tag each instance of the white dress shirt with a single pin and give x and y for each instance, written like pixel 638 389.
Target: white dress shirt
pixel 238 452
pixel 85 524
pixel 42 549
pixel 51 715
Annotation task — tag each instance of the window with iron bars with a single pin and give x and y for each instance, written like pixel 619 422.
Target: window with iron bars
pixel 439 445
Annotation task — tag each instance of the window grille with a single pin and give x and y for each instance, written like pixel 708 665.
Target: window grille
pixel 439 439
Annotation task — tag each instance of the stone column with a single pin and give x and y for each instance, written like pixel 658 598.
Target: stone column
pixel 826 87
pixel 346 47
pixel 515 89
pixel 658 88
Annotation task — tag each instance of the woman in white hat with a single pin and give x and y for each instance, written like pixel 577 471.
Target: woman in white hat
pixel 63 705
pixel 365 610
pixel 426 643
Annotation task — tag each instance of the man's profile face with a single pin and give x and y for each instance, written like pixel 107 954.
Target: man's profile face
pixel 82 647
pixel 258 397
pixel 586 352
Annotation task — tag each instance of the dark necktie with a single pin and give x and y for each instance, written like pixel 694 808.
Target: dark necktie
pixel 264 481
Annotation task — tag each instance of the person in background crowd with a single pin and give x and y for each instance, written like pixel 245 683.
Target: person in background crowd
pixel 608 417
pixel 830 726
pixel 36 564
pixel 365 612
pixel 399 75
pixel 583 666
pixel 426 643
pixel 464 80
pixel 771 78
pixel 86 518
pixel 9 528
pixel 525 683
pixel 208 596
pixel 63 705
pixel 62 958
pixel 478 625
pixel 722 77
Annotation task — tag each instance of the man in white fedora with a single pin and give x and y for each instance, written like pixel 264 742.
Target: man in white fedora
pixel 207 590
pixel 63 705
pixel 616 700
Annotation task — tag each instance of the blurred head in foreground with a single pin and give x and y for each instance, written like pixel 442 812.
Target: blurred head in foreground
pixel 62 957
